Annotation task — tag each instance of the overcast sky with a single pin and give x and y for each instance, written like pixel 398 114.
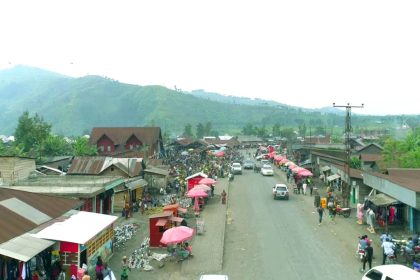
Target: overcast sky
pixel 302 53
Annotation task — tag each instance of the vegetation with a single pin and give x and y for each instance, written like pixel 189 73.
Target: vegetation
pixel 403 153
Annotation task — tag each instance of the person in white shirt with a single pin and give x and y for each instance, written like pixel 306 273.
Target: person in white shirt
pixel 389 249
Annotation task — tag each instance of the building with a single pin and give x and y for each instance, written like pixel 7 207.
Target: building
pixel 14 169
pixel 119 140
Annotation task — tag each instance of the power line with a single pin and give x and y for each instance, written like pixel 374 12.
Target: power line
pixel 346 187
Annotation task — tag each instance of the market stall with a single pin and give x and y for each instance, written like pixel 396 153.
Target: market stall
pixel 194 179
pixel 159 223
pixel 81 238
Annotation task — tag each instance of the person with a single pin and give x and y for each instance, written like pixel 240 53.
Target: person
pixel 304 188
pixel 212 190
pixel 124 268
pixel 388 249
pixel 106 272
pixel 416 239
pixel 320 213
pixel 370 218
pixel 384 236
pixel 409 247
pixel 98 268
pixel 188 247
pixel 368 257
pixel 223 194
pixel 86 276
pixel 360 213
pixel 363 242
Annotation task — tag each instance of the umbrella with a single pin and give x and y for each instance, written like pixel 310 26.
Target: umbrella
pixel 305 173
pixel 176 235
pixel 297 169
pixel 202 187
pixel 196 193
pixel 220 154
pixel 207 181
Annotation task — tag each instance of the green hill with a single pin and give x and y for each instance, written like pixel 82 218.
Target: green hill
pixel 75 105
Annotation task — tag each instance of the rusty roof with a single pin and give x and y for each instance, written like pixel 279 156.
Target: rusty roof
pixel 410 181
pixel 120 135
pixel 97 164
pixel 410 173
pixel 12 224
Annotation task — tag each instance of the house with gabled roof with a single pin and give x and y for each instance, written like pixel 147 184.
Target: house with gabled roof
pixel 370 155
pixel 117 140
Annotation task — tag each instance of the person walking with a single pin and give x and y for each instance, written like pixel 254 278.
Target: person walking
pixel 320 213
pixel 304 188
pixel 223 194
pixel 368 257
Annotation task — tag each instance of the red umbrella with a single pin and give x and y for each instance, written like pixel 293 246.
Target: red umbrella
pixel 297 169
pixel 220 154
pixel 176 235
pixel 305 173
pixel 207 181
pixel 196 193
pixel 202 187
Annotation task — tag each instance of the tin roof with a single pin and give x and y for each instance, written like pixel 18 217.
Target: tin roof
pixel 16 221
pixel 96 165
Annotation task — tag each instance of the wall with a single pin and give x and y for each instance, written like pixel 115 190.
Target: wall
pixel 105 142
pixel 13 169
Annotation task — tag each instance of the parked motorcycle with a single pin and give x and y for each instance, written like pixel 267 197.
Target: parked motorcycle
pixel 345 212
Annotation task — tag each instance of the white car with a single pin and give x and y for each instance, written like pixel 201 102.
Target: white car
pixel 280 191
pixel 236 168
pixel 267 170
pixel 214 277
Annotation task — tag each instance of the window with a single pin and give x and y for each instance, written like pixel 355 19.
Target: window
pixel 374 275
pixel 131 146
pixel 109 148
pixel 102 148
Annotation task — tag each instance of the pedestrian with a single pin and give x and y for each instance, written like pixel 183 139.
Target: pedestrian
pixel 311 188
pixel 388 249
pixel 124 268
pixel 86 275
pixel 212 190
pixel 304 188
pixel 367 257
pixel 223 194
pixel 98 268
pixel 320 213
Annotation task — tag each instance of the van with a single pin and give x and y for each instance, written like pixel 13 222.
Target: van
pixel 391 272
pixel 214 277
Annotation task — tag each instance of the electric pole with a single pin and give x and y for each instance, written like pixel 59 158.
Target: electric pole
pixel 347 186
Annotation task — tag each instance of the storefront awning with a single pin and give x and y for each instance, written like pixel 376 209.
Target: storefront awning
pixel 92 223
pixel 324 169
pixel 136 184
pixel 382 199
pixel 333 177
pixel 24 247
pixel 161 222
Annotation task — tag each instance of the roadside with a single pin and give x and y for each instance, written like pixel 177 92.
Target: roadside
pixel 207 247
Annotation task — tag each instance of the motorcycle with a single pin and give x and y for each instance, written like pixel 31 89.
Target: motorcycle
pixel 345 212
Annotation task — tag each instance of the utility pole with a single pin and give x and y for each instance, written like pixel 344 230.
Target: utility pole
pixel 347 186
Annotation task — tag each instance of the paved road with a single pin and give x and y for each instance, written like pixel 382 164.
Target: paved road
pixel 272 239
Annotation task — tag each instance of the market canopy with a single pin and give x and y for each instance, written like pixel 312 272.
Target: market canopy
pixel 93 223
pixel 333 177
pixel 382 199
pixel 24 247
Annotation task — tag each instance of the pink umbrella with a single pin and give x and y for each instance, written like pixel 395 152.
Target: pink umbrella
pixel 176 235
pixel 202 187
pixel 196 193
pixel 305 173
pixel 207 181
pixel 220 154
pixel 284 160
pixel 297 169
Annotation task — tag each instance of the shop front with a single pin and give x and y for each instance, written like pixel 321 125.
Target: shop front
pixel 81 239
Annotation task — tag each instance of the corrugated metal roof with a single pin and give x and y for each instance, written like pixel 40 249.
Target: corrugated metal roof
pixel 24 247
pixel 12 224
pixel 25 210
pixel 96 165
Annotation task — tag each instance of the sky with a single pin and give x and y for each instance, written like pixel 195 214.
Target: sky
pixel 309 54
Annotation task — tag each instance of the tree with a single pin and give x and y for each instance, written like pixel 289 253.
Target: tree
pixel 208 128
pixel 403 153
pixel 287 133
pixel 56 146
pixel 200 131
pixel 302 129
pixel 248 129
pixel 187 131
pixel 276 129
pixel 81 147
pixel 356 163
pixel 31 132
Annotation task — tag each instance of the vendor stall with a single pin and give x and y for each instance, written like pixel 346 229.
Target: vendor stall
pixel 159 223
pixel 194 179
pixel 81 238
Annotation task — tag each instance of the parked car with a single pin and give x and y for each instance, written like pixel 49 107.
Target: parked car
pixel 267 170
pixel 391 271
pixel 281 191
pixel 265 161
pixel 214 277
pixel 236 168
pixel 248 164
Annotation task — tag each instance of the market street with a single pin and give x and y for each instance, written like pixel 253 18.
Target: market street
pixel 276 239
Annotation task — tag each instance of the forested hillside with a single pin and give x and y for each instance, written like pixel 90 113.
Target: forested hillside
pixel 74 105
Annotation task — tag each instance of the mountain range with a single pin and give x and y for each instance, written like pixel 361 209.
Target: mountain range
pixel 75 105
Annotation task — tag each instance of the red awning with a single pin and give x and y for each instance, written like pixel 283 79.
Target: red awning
pixel 161 222
pixel 176 219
